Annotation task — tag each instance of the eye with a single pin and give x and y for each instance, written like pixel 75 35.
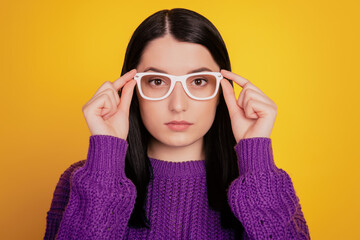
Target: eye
pixel 198 81
pixel 155 81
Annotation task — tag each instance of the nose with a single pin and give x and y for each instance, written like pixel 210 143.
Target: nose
pixel 178 99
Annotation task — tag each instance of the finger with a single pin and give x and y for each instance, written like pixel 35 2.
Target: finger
pixel 117 84
pixel 126 96
pixel 253 88
pixel 243 82
pixel 108 106
pixel 120 82
pixel 108 86
pixel 113 96
pixel 116 96
pixel 249 111
pixel 249 93
pixel 232 76
pixel 100 106
pixel 103 86
pixel 229 96
pixel 256 109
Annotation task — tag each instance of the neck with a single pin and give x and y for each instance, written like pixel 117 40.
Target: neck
pixel 178 153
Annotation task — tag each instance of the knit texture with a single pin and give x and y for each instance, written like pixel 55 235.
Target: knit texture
pixel 94 199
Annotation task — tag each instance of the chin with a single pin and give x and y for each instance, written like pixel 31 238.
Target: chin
pixel 177 140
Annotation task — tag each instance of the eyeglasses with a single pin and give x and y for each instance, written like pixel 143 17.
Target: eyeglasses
pixel 199 86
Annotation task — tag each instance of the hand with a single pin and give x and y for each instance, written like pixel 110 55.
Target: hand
pixel 105 113
pixel 253 114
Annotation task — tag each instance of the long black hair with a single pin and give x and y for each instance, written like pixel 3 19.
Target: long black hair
pixel 221 160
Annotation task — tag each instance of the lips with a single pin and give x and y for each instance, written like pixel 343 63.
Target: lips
pixel 179 123
pixel 178 126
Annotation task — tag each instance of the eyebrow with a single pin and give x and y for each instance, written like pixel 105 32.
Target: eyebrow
pixel 202 69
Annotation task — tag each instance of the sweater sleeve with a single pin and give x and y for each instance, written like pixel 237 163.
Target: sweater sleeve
pixel 59 201
pixel 263 197
pixel 101 196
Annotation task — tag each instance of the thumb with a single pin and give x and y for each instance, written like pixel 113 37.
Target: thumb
pixel 126 96
pixel 229 96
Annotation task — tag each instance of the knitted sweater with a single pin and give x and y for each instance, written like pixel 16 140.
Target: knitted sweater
pixel 94 199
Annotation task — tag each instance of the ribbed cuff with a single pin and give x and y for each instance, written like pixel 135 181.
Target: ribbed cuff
pixel 106 153
pixel 53 221
pixel 254 155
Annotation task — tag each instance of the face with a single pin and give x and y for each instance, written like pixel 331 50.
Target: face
pixel 177 58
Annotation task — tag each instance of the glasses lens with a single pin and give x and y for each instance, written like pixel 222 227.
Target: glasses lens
pixel 201 86
pixel 157 86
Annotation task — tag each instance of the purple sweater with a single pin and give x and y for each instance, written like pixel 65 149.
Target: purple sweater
pixel 94 199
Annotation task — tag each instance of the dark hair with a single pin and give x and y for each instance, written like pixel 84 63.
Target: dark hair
pixel 186 26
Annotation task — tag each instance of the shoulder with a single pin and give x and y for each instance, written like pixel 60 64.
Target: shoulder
pixel 63 184
pixel 62 189
pixel 64 179
pixel 71 169
pixel 75 166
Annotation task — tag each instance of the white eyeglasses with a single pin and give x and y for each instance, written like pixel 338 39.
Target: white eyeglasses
pixel 157 86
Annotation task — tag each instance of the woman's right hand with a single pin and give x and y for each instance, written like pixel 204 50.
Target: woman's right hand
pixel 108 114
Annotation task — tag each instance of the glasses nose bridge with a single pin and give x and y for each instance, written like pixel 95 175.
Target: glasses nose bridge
pixel 178 78
pixel 181 79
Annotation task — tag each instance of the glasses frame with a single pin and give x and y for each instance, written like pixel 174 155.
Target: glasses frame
pixel 174 79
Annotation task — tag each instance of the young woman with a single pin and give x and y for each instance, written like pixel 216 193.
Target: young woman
pixel 180 158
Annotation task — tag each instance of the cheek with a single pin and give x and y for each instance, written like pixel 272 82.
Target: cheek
pixel 206 113
pixel 150 115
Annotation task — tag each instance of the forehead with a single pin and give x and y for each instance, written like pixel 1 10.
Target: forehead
pixel 176 57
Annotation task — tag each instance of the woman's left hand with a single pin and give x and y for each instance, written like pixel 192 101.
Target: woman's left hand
pixel 253 114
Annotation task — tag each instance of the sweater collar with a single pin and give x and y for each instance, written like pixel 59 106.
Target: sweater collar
pixel 162 168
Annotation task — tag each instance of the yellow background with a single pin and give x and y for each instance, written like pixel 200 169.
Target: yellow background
pixel 303 54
